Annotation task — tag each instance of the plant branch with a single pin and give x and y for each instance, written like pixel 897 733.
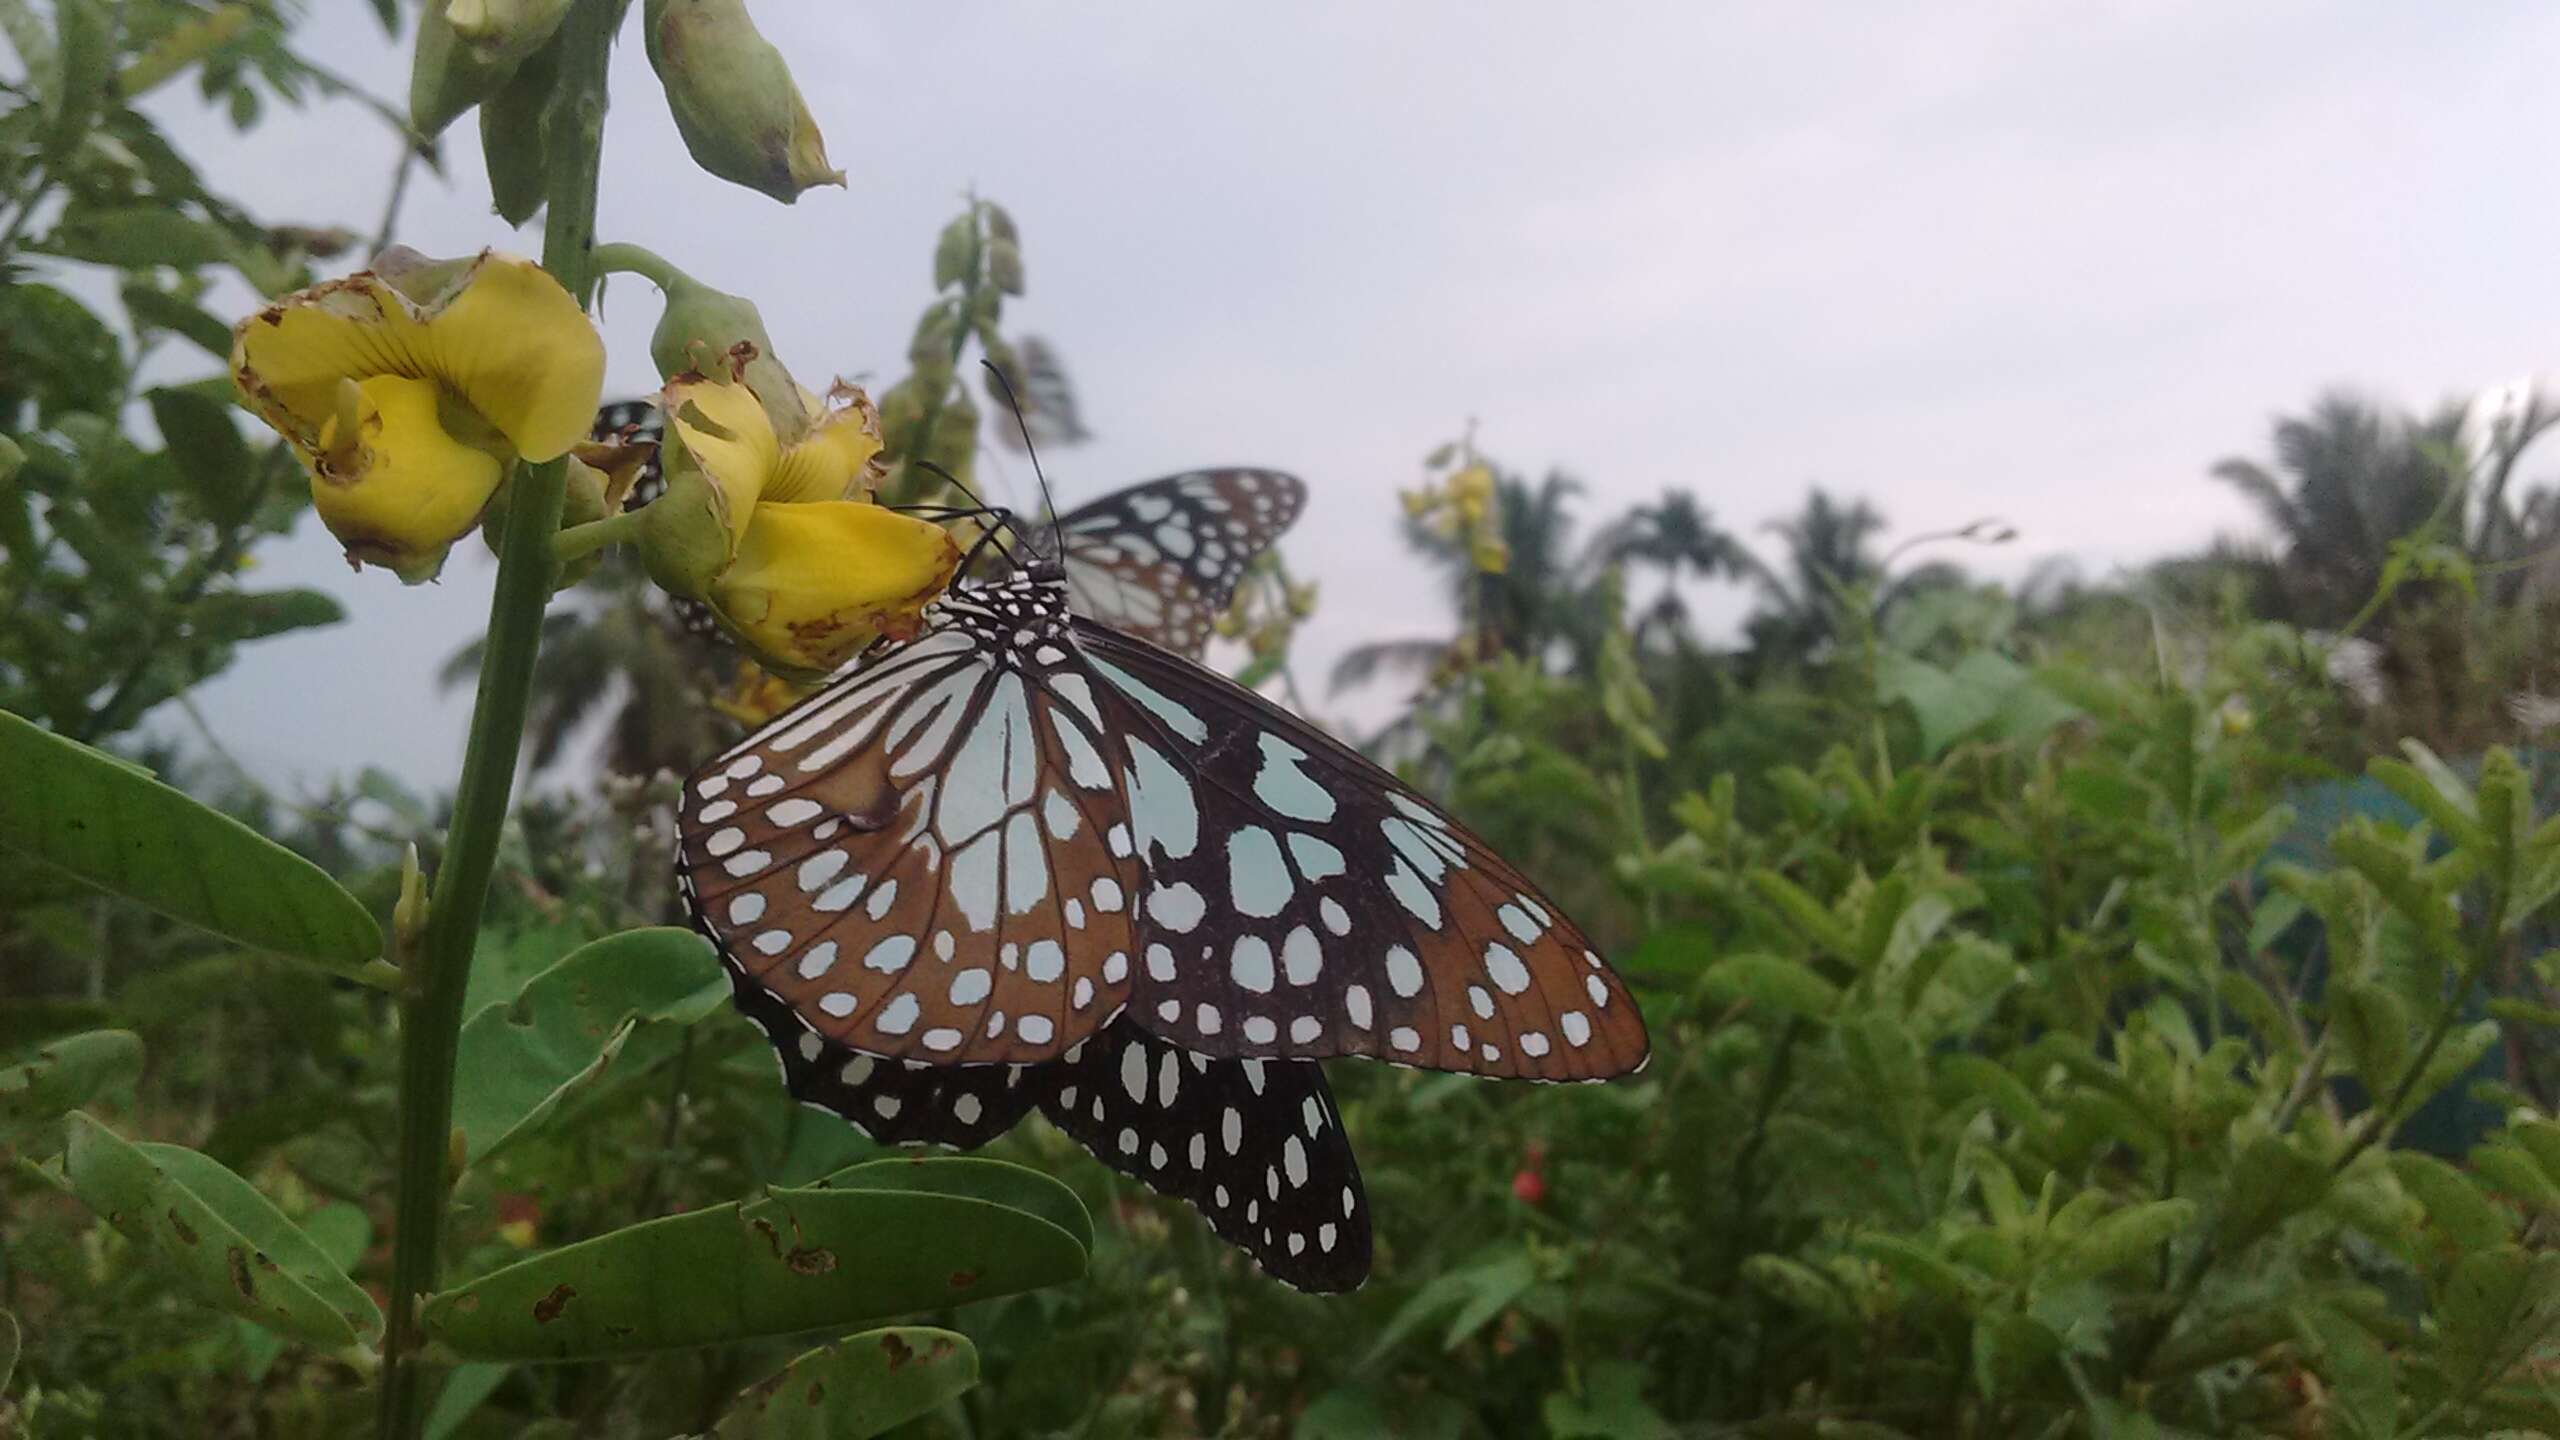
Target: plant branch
pixel 573 127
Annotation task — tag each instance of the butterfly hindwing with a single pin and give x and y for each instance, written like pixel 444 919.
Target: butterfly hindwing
pixel 1303 902
pixel 1255 1145
pixel 1162 559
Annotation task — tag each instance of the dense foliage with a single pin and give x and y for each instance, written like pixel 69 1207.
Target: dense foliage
pixel 2079 1008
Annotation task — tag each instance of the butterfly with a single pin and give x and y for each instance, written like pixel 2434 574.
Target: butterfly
pixel 1029 860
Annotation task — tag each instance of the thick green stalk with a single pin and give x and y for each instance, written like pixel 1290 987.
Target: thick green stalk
pixel 431 1018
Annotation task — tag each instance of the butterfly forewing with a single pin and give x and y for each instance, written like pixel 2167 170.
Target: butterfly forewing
pixel 1162 559
pixel 1303 902
pixel 929 859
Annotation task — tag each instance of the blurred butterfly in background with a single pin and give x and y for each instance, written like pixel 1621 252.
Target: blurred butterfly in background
pixel 1038 858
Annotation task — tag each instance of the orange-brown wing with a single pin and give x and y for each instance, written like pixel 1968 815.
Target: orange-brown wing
pixel 1161 560
pixel 1303 903
pixel 929 859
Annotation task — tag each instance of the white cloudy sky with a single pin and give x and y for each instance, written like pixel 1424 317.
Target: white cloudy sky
pixel 2041 262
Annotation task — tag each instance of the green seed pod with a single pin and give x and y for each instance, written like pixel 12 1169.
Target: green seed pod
pixel 502 32
pixel 511 136
pixel 733 98
pixel 446 76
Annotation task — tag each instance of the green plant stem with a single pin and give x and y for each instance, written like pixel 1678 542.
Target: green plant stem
pixel 621 259
pixel 579 541
pixel 573 128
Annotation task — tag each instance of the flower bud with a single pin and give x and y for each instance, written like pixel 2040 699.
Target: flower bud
pixel 733 98
pixel 709 332
pixel 502 31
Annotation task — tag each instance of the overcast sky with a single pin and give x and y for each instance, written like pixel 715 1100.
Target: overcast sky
pixel 2040 262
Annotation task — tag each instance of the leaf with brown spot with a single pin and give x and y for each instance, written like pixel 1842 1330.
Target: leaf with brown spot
pixel 862 1385
pixel 548 1308
pixel 225 1243
pixel 708 1276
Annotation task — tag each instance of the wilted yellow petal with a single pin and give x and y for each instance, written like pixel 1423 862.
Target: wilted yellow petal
pixel 726 435
pixel 518 348
pixel 837 459
pixel 815 583
pixel 497 331
pixel 407 488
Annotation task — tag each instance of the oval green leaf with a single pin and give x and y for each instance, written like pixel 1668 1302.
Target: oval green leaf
pixel 860 1386
pixel 1772 983
pixel 64 1074
pixel 101 820
pixel 517 1061
pixel 997 1182
pixel 796 1260
pixel 226 1244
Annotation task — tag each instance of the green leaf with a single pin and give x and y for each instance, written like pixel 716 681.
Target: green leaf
pixel 136 236
pixel 1976 1077
pixel 2361 1376
pixel 236 616
pixel 860 1386
pixel 8 1349
pixel 1493 1289
pixel 2496 1306
pixel 1772 983
pixel 1610 1407
pixel 2433 790
pixel 1921 1268
pixel 65 1074
pixel 224 1242
pixel 84 62
pixel 160 310
pixel 2128 1236
pixel 2452 1201
pixel 518 1060
pixel 2270 1182
pixel 1800 1286
pixel 2454 1058
pixel 1807 916
pixel 1947 710
pixel 2374 1026
pixel 796 1260
pixel 969 1177
pixel 93 816
pixel 316 1253
pixel 209 452
pixel 467 1387
pixel 2513 1171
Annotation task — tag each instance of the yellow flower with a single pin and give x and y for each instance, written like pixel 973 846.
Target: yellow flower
pixel 782 541
pixel 409 390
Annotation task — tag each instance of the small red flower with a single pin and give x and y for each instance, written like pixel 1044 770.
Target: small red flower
pixel 1529 1187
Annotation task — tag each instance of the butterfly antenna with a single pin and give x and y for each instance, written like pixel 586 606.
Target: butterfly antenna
pixel 1004 517
pixel 1057 537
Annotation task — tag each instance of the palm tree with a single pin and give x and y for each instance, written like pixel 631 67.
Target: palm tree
pixel 1535 606
pixel 2347 483
pixel 1675 536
